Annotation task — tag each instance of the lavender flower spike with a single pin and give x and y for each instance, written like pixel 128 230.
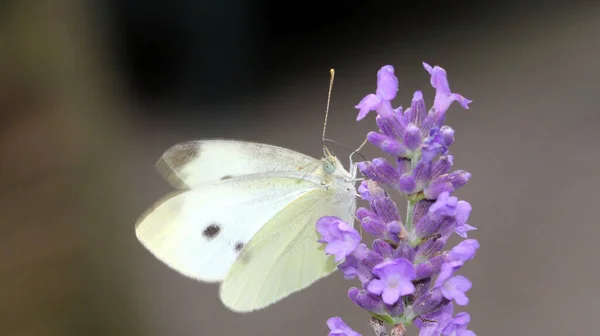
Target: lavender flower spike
pixel 408 274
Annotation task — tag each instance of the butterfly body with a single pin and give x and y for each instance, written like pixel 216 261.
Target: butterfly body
pixel 245 216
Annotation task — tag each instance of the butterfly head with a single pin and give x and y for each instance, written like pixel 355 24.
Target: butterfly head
pixel 332 167
pixel 337 179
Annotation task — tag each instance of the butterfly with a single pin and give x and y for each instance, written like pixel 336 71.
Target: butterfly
pixel 245 216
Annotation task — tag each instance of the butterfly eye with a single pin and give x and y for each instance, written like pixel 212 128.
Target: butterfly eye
pixel 329 168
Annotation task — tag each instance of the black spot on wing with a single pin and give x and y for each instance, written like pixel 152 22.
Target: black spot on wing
pixel 239 246
pixel 211 231
pixel 226 177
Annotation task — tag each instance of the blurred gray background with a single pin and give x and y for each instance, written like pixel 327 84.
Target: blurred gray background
pixel 91 95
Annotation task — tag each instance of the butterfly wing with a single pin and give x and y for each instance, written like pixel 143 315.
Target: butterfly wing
pixel 284 256
pixel 200 232
pixel 192 164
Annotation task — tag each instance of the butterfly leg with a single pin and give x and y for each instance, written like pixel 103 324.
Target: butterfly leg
pixel 353 168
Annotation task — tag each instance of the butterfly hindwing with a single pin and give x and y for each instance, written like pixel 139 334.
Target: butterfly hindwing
pixel 284 256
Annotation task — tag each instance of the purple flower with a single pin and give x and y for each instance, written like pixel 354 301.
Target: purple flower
pixel 433 324
pixel 364 192
pixel 445 205
pixel 464 251
pixel 387 85
pixel 446 183
pixel 430 266
pixel 368 104
pixel 383 248
pixel 417 113
pixel 412 136
pixel 446 215
pixel 443 96
pixel 389 145
pixel 395 280
pixel 453 287
pixel 458 326
pixel 386 172
pixel 380 202
pixel 357 264
pixel 338 327
pixel 341 238
pixel 463 209
pixel 367 301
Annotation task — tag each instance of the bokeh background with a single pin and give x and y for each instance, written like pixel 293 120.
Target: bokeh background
pixel 92 93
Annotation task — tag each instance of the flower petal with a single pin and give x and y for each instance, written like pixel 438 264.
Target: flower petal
pixel 443 96
pixel 391 295
pixel 339 328
pixel 340 237
pixel 387 83
pixel 376 286
pixel 465 250
pixel 366 105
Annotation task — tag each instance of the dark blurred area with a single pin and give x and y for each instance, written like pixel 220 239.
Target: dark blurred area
pixel 208 52
pixel 92 93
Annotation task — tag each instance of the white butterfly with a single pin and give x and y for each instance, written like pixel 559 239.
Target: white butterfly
pixel 245 216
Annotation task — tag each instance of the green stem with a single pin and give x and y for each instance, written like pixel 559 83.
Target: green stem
pixel 410 207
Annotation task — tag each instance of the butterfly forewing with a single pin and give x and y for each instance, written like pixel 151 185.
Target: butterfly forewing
pixel 200 232
pixel 192 164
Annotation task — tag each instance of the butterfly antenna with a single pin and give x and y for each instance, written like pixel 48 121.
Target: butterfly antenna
pixel 331 77
pixel 353 151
